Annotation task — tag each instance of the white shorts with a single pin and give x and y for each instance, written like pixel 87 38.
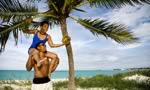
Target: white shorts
pixel 43 86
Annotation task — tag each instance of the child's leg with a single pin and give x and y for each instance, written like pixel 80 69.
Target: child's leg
pixel 55 65
pixel 54 60
pixel 34 54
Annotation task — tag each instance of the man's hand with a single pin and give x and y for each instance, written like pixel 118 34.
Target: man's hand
pixel 66 39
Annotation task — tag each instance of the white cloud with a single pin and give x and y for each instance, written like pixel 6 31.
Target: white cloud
pixel 14 57
pixel 136 18
pixel 130 46
pixel 129 15
pixel 112 58
pixel 143 32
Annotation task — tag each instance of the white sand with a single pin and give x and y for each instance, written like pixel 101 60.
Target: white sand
pixel 15 84
pixel 26 85
pixel 20 84
pixel 59 80
pixel 138 78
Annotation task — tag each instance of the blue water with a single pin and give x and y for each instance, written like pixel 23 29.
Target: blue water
pixel 25 75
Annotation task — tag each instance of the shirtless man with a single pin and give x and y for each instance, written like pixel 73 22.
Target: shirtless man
pixel 41 79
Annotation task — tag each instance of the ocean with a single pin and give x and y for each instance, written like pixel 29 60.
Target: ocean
pixel 25 75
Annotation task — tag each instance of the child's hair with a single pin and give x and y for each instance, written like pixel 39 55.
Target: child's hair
pixel 44 22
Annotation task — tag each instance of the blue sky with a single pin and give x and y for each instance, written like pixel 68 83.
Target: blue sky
pixel 90 52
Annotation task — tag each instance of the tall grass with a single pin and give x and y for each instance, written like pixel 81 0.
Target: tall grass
pixel 111 82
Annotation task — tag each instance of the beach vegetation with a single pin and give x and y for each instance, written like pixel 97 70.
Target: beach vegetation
pixel 111 82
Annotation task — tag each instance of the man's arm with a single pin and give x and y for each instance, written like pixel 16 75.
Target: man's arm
pixel 51 44
pixel 29 64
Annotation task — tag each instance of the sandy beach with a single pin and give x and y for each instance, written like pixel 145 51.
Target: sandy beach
pixel 138 78
pixel 26 84
pixel 20 84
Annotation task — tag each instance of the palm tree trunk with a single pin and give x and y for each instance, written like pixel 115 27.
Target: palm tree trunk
pixel 71 84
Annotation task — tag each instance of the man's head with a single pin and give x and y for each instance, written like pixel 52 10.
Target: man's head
pixel 41 47
pixel 44 27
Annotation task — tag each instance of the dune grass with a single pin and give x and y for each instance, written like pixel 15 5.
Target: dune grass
pixel 111 82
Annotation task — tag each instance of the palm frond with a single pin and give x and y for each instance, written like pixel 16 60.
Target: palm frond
pixel 53 4
pixel 115 3
pixel 3 39
pixel 49 16
pixel 70 5
pixel 14 28
pixel 63 7
pixel 13 9
pixel 34 25
pixel 117 32
pixel 33 0
pixel 66 4
pixel 53 21
pixel 79 10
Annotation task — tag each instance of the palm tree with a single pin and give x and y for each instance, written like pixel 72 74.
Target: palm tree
pixel 17 16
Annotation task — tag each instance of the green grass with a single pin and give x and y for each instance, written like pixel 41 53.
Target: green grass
pixel 59 85
pixel 111 82
pixel 99 81
pixel 8 88
pixel 20 83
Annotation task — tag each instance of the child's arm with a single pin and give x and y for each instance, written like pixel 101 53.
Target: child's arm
pixel 51 44
pixel 33 31
pixel 30 31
